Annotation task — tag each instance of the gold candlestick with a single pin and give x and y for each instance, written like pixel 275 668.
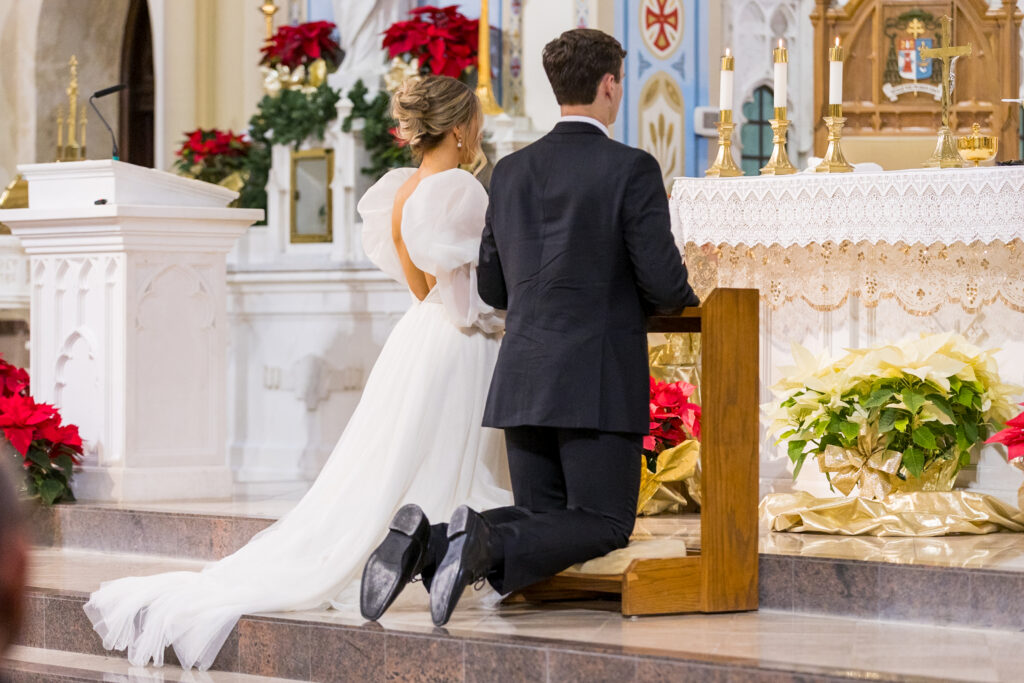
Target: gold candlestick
pixel 779 163
pixel 484 87
pixel 724 166
pixel 834 160
pixel 269 9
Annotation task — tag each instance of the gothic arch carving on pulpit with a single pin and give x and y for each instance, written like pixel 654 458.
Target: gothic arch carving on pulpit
pixel 179 337
pixel 873 30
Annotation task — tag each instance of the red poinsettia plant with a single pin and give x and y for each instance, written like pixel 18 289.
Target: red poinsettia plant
pixel 48 449
pixel 442 39
pixel 212 155
pixel 301 45
pixel 674 419
pixel 1012 437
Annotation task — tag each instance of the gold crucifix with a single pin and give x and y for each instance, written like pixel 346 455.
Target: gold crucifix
pixel 946 154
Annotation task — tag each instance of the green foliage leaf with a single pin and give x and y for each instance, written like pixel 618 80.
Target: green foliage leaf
pixel 965 459
pixel 796 449
pixel 878 398
pixel 902 424
pixel 924 438
pixel 50 491
pixel 962 442
pixel 850 430
pixel 64 462
pixel 971 431
pixel 887 421
pixel 913 460
pixel 965 396
pixel 912 399
pixel 943 405
pixel 40 458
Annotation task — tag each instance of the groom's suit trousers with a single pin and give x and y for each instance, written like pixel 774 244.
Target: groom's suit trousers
pixel 575 499
pixel 575 496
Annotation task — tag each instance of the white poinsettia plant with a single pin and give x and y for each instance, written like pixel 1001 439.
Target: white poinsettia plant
pixel 928 399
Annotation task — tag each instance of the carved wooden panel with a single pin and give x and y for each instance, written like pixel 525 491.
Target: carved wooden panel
pixel 891 90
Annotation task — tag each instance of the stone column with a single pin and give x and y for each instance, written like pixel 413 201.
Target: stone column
pixel 128 323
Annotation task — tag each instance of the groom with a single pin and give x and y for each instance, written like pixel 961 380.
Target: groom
pixel 578 249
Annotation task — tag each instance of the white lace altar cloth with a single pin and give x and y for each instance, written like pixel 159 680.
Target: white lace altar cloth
pixel 923 238
pixel 849 260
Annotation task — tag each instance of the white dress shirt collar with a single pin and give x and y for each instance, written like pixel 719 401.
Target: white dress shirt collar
pixel 585 119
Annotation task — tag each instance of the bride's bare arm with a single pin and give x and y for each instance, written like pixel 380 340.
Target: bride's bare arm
pixel 420 283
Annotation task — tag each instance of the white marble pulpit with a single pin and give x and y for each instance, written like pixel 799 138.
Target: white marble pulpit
pixel 129 331
pixel 848 260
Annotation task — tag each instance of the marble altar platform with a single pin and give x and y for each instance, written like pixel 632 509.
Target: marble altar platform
pixel 848 260
pixel 823 618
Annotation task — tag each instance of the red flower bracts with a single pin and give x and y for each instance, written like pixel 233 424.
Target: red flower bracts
pixel 295 46
pixel 48 448
pixel 1012 437
pixel 673 418
pixel 201 144
pixel 441 38
pixel 215 156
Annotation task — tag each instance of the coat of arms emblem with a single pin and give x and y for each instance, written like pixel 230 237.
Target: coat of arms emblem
pixel 905 63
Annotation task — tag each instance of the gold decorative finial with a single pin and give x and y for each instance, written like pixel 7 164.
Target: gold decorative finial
pixel 60 131
pixel 75 121
pixel 269 9
pixel 484 87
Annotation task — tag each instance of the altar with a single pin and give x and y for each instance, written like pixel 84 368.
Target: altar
pixel 847 260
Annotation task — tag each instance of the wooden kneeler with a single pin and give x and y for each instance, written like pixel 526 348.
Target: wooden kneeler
pixel 722 576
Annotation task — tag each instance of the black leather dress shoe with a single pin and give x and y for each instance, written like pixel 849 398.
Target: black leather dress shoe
pixel 395 562
pixel 466 562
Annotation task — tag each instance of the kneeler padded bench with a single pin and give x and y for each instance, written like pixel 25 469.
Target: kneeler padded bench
pixel 722 575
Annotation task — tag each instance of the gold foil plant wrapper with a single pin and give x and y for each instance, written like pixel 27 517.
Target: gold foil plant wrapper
pixel 930 399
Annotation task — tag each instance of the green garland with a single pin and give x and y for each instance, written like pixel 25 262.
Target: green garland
pixel 293 116
pixel 287 119
pixel 384 153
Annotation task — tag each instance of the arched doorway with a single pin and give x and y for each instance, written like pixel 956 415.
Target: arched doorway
pixel 136 139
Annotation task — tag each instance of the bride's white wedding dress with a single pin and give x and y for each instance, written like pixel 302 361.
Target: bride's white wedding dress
pixel 415 437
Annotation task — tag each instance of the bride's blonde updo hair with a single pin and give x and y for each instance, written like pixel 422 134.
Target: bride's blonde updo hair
pixel 428 109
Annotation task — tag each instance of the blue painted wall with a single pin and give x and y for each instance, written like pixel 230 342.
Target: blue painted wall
pixel 687 66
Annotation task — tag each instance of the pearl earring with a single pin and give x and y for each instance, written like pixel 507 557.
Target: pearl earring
pixel 460 142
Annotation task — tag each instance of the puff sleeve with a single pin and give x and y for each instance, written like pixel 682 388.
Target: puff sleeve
pixel 442 226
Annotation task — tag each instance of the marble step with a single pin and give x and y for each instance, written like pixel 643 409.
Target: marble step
pixel 197 535
pixel 36 665
pixel 583 641
pixel 975 581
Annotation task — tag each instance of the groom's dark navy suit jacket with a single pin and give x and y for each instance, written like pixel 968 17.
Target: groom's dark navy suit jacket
pixel 578 249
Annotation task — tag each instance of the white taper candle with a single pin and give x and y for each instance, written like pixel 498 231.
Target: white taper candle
pixel 781 55
pixel 835 74
pixel 725 83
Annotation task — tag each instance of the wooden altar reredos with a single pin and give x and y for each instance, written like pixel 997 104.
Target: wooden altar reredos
pixel 881 37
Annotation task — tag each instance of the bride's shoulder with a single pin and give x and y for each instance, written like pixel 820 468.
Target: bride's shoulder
pixel 452 183
pixel 381 194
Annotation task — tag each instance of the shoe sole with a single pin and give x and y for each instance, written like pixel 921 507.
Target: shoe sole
pixel 385 564
pixel 443 597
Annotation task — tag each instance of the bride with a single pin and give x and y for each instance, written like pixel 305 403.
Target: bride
pixel 415 436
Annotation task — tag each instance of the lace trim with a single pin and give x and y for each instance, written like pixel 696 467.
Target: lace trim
pixel 923 207
pixel 920 278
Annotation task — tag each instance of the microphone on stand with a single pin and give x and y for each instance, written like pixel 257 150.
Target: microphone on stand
pixel 103 93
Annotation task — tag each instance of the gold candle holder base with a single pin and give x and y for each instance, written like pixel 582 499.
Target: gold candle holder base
pixel 946 154
pixel 779 163
pixel 834 160
pixel 724 166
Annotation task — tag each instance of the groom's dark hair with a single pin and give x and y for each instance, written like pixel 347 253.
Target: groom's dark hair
pixel 577 60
